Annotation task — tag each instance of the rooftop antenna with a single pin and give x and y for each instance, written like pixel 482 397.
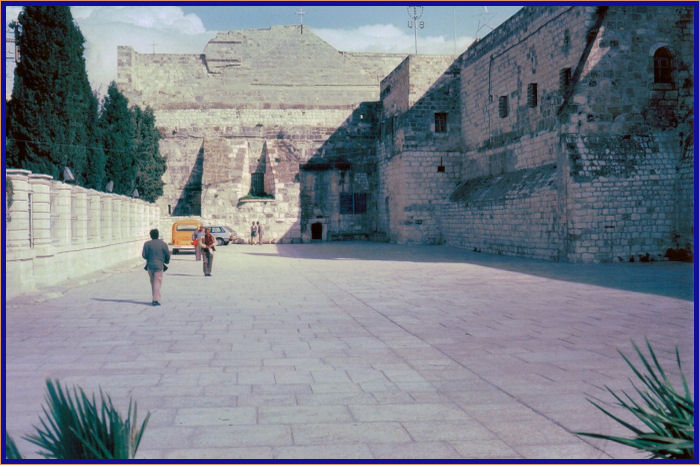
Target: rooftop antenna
pixel 413 23
pixel 301 14
pixel 483 22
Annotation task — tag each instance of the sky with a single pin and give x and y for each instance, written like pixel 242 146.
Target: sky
pixel 161 28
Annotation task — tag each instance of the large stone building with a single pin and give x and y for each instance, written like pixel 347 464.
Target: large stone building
pixel 246 117
pixel 565 134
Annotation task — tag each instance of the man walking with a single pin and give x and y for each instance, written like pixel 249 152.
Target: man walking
pixel 208 252
pixel 260 232
pixel 157 255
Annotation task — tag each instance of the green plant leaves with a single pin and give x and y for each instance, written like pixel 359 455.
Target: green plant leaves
pixel 668 414
pixel 11 451
pixel 75 426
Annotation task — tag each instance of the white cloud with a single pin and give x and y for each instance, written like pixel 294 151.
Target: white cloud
pixel 163 28
pixel 145 28
pixel 391 39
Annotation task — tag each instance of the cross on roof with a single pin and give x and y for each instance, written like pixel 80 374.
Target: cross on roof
pixel 301 14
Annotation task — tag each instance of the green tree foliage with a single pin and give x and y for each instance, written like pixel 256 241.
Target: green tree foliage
pixel 118 130
pixel 54 120
pixel 51 106
pixel 95 166
pixel 149 163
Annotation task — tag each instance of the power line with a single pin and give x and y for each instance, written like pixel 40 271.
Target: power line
pixel 486 16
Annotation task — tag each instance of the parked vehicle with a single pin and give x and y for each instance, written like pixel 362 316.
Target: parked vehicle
pixel 182 235
pixel 223 234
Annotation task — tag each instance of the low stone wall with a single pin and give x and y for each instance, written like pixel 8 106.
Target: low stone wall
pixel 56 232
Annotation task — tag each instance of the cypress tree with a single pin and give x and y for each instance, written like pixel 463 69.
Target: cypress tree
pixel 47 122
pixel 150 164
pixel 95 166
pixel 118 139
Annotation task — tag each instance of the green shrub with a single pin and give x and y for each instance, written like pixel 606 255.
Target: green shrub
pixel 75 427
pixel 667 414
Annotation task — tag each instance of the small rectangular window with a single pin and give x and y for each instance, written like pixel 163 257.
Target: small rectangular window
pixel 440 122
pixel 564 79
pixel 360 202
pixel 503 106
pixel 353 203
pixel 345 203
pixel 532 95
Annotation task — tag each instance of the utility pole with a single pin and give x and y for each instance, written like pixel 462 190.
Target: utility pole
pixel 301 14
pixel 154 46
pixel 413 23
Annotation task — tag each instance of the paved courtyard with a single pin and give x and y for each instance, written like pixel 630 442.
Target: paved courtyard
pixel 354 350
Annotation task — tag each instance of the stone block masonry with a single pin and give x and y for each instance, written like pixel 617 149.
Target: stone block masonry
pixel 577 89
pixel 564 134
pixel 259 104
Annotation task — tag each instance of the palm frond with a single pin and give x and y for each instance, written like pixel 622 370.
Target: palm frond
pixel 668 414
pixel 11 451
pixel 76 426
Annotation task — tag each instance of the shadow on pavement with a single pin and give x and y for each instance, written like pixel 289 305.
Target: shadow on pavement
pixel 671 279
pixel 123 301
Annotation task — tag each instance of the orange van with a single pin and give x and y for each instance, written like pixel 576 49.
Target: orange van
pixel 182 235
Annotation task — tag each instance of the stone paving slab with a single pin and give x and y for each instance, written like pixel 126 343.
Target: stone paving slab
pixel 353 350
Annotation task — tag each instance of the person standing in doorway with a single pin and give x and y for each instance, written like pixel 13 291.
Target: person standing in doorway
pixel 260 232
pixel 253 233
pixel 197 237
pixel 208 249
pixel 157 256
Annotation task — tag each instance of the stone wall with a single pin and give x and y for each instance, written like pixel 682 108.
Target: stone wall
pixel 58 232
pixel 626 140
pixel 414 187
pixel 259 101
pixel 619 187
pixel 551 137
pixel 419 164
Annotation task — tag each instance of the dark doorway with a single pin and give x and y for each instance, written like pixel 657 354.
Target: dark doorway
pixel 316 231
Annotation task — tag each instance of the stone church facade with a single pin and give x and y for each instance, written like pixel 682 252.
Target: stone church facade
pixel 565 134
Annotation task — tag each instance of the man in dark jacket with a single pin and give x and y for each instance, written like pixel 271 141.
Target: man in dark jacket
pixel 157 255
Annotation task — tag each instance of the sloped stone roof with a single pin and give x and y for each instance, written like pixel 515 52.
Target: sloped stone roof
pixel 282 54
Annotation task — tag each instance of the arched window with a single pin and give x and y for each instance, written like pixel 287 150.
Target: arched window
pixel 663 66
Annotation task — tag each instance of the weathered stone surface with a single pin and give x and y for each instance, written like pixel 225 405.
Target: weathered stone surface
pixel 384 147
